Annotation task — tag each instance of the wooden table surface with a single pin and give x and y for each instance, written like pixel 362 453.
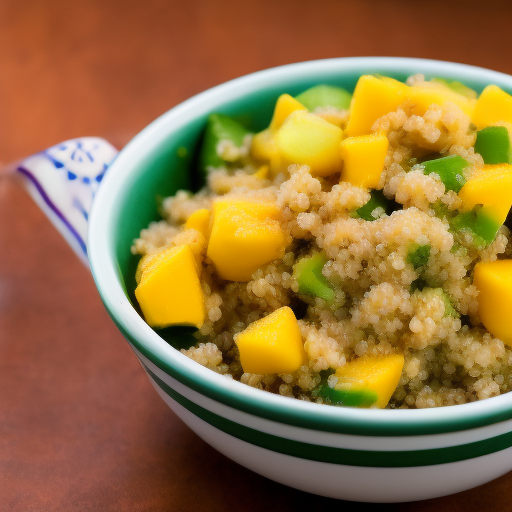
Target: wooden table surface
pixel 80 427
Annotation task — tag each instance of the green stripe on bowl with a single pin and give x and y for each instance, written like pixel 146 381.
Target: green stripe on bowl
pixel 382 459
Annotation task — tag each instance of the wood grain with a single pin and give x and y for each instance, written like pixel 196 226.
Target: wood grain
pixel 80 427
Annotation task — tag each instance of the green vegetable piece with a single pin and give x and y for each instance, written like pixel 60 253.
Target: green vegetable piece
pixel 218 128
pixel 308 272
pixel 493 143
pixel 325 96
pixel 418 284
pixel 450 170
pixel 457 87
pixel 377 200
pixel 449 310
pixel 347 397
pixel 418 255
pixel 480 224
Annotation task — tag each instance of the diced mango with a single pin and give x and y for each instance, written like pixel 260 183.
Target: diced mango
pixel 200 221
pixel 363 159
pixel 425 94
pixel 494 106
pixel 245 235
pixel 457 87
pixel 307 139
pixel 373 98
pixel 494 282
pixel 272 344
pixel 262 172
pixel 285 105
pixel 491 186
pixel 374 373
pixel 264 148
pixel 169 292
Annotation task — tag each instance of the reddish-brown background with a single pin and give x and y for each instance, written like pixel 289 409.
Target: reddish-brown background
pixel 80 426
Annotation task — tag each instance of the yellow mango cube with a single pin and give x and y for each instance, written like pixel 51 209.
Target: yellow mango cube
pixel 262 172
pixel 493 107
pixel 373 97
pixel 245 235
pixel 363 159
pixel 285 105
pixel 200 221
pixel 169 292
pixel 494 282
pixel 264 148
pixel 263 145
pixel 425 94
pixel 490 186
pixel 307 139
pixel 272 344
pixel 379 374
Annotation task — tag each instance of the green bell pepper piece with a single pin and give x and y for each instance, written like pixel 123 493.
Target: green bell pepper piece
pixel 348 397
pixel 377 200
pixel 418 255
pixel 493 143
pixel 450 170
pixel 325 96
pixel 308 272
pixel 480 224
pixel 219 127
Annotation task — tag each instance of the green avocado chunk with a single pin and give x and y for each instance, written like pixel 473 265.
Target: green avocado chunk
pixel 480 224
pixel 308 272
pixel 418 255
pixel 493 143
pixel 377 200
pixel 219 127
pixel 450 170
pixel 348 397
pixel 325 96
pixel 449 310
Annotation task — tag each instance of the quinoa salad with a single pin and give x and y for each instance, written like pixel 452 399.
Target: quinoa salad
pixel 354 253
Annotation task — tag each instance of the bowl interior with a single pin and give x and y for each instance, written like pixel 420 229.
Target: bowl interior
pixel 160 161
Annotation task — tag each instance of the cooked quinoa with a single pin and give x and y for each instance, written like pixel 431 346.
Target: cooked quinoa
pixel 384 302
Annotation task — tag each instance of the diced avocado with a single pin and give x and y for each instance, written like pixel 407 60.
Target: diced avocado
pixel 450 169
pixel 308 272
pixel 493 143
pixel 449 310
pixel 457 87
pixel 418 255
pixel 476 220
pixel 219 127
pixel 377 200
pixel 347 397
pixel 325 96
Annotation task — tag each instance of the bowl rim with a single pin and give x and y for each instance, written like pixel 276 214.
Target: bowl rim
pixel 106 273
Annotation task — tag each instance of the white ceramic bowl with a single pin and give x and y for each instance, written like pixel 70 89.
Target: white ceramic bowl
pixel 347 453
